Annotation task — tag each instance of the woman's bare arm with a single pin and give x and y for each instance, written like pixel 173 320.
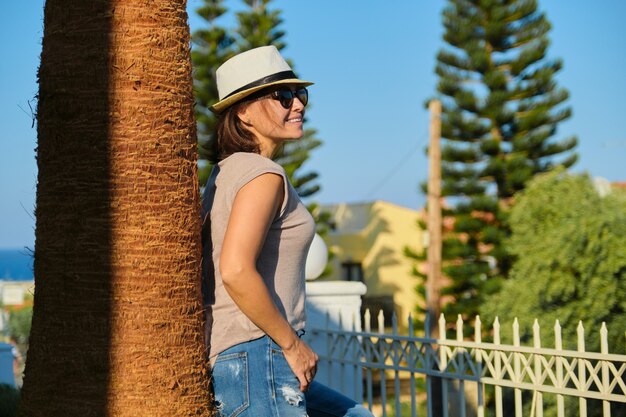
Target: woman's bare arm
pixel 254 209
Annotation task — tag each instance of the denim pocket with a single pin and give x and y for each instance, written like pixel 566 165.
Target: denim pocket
pixel 285 383
pixel 230 383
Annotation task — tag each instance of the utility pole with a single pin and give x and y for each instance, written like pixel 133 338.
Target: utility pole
pixel 433 280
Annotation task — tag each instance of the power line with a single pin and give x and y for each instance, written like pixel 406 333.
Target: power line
pixel 394 170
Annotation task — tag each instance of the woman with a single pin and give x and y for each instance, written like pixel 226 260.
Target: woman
pixel 256 235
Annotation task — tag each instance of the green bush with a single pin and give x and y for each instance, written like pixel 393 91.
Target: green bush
pixel 20 323
pixel 570 245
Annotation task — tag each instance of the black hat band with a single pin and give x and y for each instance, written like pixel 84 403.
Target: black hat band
pixel 283 75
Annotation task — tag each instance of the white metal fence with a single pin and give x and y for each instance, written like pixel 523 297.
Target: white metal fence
pixel 406 375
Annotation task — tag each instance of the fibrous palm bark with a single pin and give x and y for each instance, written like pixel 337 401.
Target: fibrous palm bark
pixel 117 326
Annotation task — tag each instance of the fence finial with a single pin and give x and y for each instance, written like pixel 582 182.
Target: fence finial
pixel 558 341
pixel 604 338
pixel 496 331
pixel 381 322
pixel 536 334
pixel 477 330
pixel 459 327
pixel 442 327
pixel 581 336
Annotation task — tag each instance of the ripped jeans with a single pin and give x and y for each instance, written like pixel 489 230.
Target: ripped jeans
pixel 253 379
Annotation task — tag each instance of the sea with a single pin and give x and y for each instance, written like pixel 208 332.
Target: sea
pixel 16 265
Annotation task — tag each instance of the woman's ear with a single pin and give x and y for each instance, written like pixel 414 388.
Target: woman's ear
pixel 244 116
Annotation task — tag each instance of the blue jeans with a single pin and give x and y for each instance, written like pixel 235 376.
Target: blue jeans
pixel 253 379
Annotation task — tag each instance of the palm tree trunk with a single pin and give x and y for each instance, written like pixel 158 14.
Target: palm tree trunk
pixel 117 324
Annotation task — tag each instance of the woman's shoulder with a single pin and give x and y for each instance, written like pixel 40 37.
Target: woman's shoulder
pixel 241 162
pixel 241 167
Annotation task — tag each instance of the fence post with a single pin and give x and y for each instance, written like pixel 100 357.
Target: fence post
pixel 480 410
pixel 497 358
pixel 329 344
pixel 411 365
pixel 537 394
pixel 340 346
pixel 461 366
pixel 558 345
pixel 606 381
pixel 369 358
pixel 381 350
pixel 357 370
pixel 517 367
pixel 396 361
pixel 582 370
pixel 430 365
pixel 443 365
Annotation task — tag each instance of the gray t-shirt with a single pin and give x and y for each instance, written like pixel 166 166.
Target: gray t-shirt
pixel 281 261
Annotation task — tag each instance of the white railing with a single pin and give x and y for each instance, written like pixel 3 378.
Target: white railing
pixel 459 377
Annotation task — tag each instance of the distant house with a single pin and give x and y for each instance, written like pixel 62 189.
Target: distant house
pixel 16 278
pixel 368 240
pixel 619 185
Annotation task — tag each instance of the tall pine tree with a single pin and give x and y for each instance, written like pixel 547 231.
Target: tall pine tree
pixel 501 108
pixel 212 46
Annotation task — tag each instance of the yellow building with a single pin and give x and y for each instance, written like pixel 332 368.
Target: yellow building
pixel 368 241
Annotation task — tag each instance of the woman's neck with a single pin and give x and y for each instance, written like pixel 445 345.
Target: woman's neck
pixel 268 148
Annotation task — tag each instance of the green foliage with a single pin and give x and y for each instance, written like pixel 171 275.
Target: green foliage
pixel 501 108
pixel 211 47
pixel 405 405
pixel 258 26
pixel 20 323
pixel 570 245
pixel 9 400
pixel 418 258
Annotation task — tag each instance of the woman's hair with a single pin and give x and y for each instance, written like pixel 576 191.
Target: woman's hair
pixel 230 135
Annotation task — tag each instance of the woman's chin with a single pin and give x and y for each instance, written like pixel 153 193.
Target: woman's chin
pixel 296 135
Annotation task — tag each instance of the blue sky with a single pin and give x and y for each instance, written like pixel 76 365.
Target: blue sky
pixel 373 67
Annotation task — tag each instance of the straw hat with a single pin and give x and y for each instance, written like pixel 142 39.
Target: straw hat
pixel 249 72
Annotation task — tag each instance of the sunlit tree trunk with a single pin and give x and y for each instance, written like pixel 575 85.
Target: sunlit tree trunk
pixel 117 326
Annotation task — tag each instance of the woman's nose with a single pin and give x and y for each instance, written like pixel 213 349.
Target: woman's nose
pixel 297 104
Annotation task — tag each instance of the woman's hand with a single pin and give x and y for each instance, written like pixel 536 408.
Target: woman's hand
pixel 303 362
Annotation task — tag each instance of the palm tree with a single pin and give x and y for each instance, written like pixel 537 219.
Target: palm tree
pixel 117 325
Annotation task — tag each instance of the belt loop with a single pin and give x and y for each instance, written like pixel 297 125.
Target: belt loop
pixel 300 333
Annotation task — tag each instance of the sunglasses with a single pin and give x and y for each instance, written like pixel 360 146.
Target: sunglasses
pixel 286 96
